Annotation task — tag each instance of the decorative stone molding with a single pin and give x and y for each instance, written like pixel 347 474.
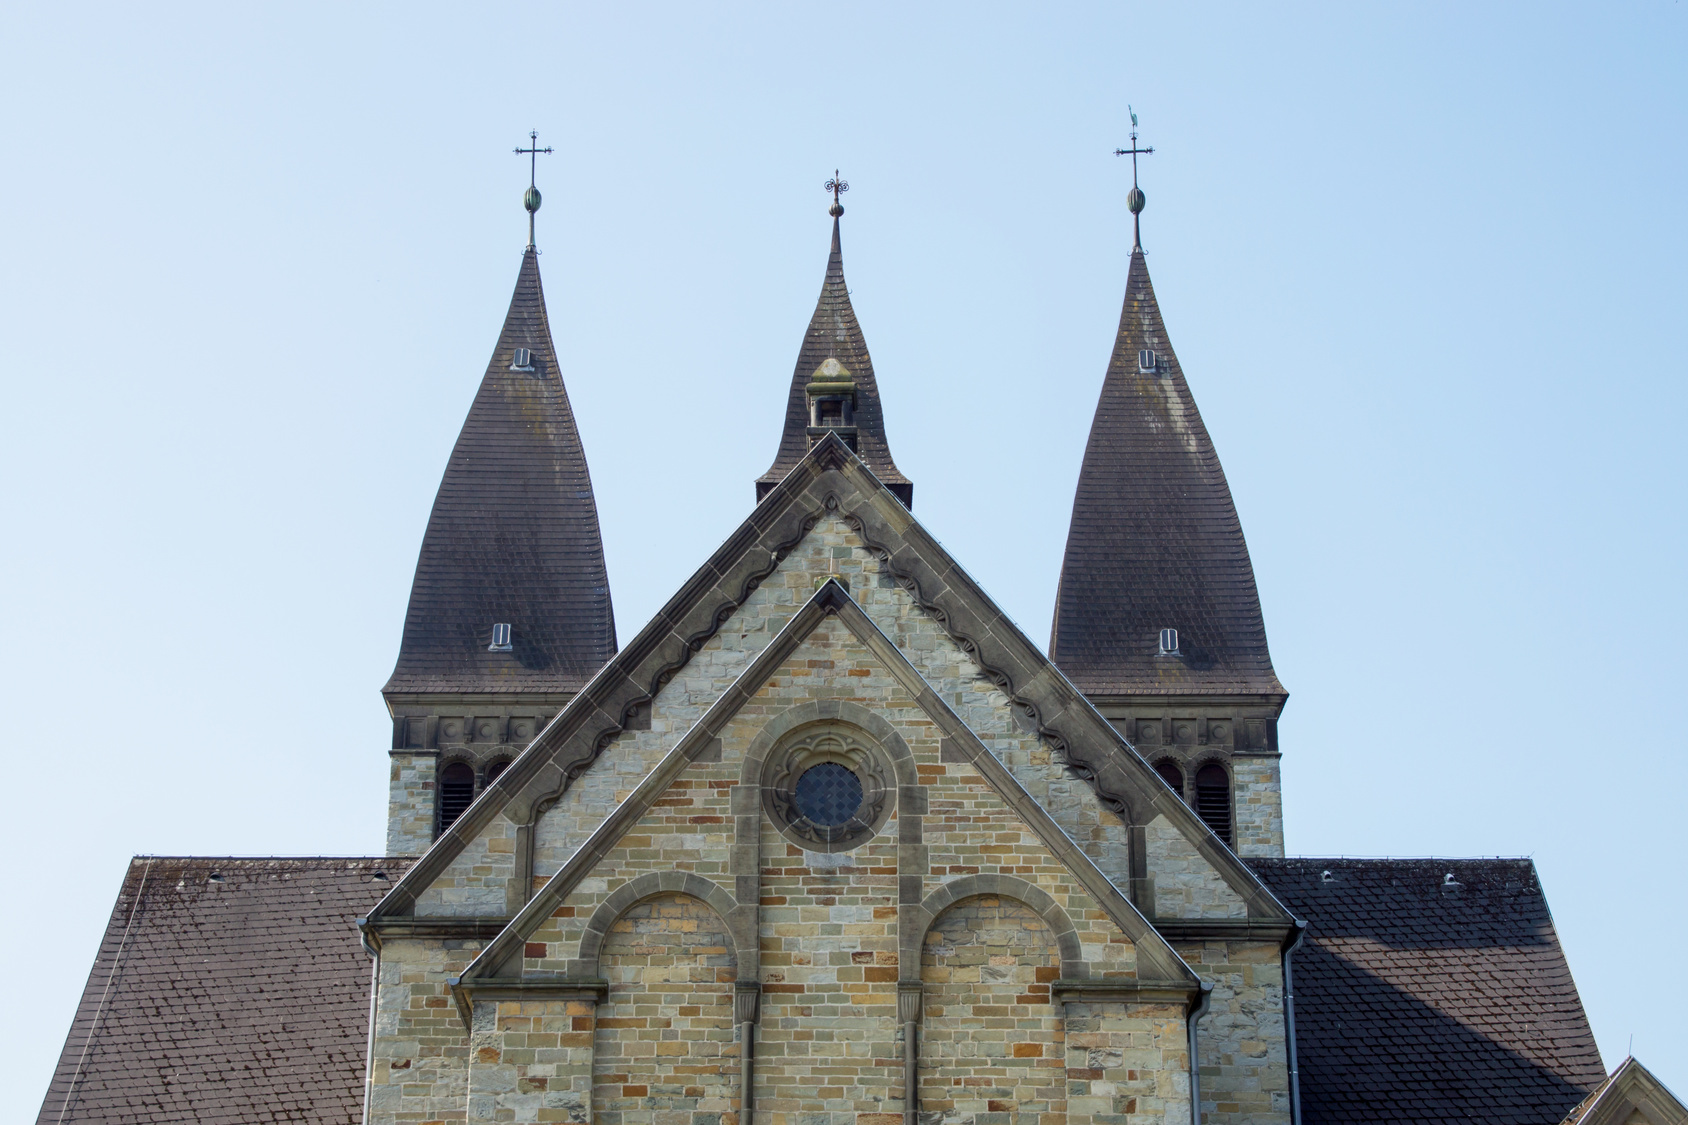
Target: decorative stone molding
pixel 828 742
pixel 664 882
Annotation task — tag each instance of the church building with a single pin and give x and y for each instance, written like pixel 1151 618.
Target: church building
pixel 831 840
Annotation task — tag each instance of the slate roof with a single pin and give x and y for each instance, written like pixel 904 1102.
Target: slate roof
pixel 1154 541
pixel 834 333
pixel 513 536
pixel 244 999
pixel 1416 1001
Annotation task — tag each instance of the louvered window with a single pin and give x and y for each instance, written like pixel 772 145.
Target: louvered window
pixel 456 791
pixel 1171 774
pixel 1213 799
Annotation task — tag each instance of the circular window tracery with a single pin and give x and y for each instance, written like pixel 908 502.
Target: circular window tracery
pixel 827 787
pixel 828 794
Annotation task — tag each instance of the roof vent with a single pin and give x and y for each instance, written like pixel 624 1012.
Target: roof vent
pixel 523 360
pixel 500 638
pixel 1450 885
pixel 215 877
pixel 1169 642
pixel 1147 361
pixel 1326 876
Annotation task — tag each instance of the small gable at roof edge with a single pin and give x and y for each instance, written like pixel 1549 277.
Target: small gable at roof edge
pixel 1629 1089
pixel 831 480
pixel 1160 967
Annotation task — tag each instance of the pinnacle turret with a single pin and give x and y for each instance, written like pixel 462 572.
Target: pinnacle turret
pixel 832 387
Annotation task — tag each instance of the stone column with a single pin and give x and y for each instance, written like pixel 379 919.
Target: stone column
pixel 747 1004
pixel 908 1014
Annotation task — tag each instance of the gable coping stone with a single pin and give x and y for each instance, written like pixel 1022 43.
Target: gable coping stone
pixel 1167 969
pixel 830 480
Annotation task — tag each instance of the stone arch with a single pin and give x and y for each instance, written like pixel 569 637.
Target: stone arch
pixel 664 1037
pixel 834 710
pixel 1035 899
pixel 991 1041
pixel 631 893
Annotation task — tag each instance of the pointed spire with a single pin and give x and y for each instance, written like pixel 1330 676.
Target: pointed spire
pixel 1155 542
pixel 513 538
pixel 835 335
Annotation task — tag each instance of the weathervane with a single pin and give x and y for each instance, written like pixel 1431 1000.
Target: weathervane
pixel 1136 199
pixel 837 187
pixel 532 198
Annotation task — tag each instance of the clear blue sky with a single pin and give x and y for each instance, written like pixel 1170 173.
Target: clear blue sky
pixel 1423 265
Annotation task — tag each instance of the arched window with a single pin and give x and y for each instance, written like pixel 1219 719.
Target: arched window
pixel 456 791
pixel 1171 774
pixel 495 769
pixel 1213 799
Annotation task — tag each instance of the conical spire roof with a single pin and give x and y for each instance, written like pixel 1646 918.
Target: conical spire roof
pixel 513 537
pixel 834 334
pixel 1155 542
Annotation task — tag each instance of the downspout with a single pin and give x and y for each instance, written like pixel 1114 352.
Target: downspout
pixel 1289 1022
pixel 1203 1001
pixel 372 946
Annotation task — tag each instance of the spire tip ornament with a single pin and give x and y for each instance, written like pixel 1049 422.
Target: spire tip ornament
pixel 1135 199
pixel 837 187
pixel 531 198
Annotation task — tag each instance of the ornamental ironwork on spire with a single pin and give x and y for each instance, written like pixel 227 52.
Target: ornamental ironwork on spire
pixel 832 388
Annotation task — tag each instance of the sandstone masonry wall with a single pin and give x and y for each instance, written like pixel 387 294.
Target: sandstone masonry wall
pixel 410 802
pixel 1258 799
pixel 1244 1064
pixel 1186 886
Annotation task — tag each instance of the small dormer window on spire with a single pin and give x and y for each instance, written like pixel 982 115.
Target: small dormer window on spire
pixel 1169 642
pixel 500 638
pixel 522 360
pixel 1147 361
pixel 832 403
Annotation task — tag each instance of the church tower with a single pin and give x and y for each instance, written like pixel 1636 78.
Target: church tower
pixel 510 608
pixel 1157 619
pixel 832 388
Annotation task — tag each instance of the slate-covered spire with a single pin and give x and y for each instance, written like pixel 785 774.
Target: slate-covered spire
pixel 835 335
pixel 1155 542
pixel 513 538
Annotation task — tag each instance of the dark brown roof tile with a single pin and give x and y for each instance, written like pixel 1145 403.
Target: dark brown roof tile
pixel 513 536
pixel 1155 542
pixel 1417 999
pixel 229 1000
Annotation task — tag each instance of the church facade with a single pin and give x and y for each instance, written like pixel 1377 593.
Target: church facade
pixel 831 841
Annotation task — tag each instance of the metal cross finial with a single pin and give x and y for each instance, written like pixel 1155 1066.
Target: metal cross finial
pixel 837 187
pixel 532 199
pixel 1136 199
